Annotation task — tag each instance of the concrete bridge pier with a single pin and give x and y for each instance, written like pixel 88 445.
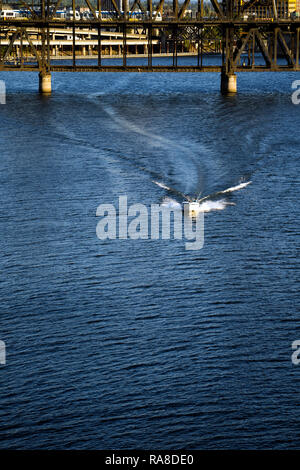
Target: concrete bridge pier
pixel 45 83
pixel 228 83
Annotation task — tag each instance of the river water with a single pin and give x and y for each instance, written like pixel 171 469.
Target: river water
pixel 122 344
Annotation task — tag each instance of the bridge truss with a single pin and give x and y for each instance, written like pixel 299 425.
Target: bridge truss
pixel 239 41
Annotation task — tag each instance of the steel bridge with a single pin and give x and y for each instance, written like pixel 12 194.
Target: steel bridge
pixel 245 42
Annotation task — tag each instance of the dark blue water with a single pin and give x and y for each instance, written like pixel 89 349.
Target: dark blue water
pixel 141 343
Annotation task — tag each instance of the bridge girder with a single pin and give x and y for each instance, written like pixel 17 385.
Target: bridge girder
pixel 240 44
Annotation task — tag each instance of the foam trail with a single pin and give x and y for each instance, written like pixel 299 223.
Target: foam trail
pixel 154 139
pixel 158 141
pixel 206 198
pixel 163 186
pixel 236 188
pixel 219 205
pixel 172 190
pixel 170 203
pixel 225 191
pixel 206 206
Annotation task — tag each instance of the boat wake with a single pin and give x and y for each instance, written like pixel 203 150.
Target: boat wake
pixel 211 202
pixel 219 205
pixel 235 188
pixel 187 155
pixel 206 204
